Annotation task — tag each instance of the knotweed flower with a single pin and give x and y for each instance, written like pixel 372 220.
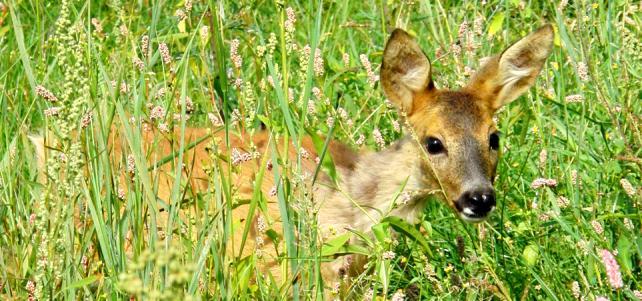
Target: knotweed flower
pixel 583 245
pixel 180 15
pixel 628 224
pixel 562 202
pixel 601 298
pixel 238 157
pixel 574 98
pixel 138 63
pixel 46 94
pixel 628 187
pixel 204 33
pixel 396 126
pixel 346 59
pixel 455 49
pixel 291 19
pixel 304 153
pixel 582 71
pixel 612 269
pixel 188 5
pixel 330 121
pixel 123 30
pixel 30 287
pixel 478 25
pixel 97 26
pixel 378 138
pixel 319 68
pixel 163 127
pixel 86 120
pixel 160 93
pixel 543 155
pixel 398 296
pixel 368 295
pixel 360 140
pixel 388 255
pixel 131 164
pixel 372 77
pixel 237 61
pixel 164 52
pixel 463 29
pixel 214 119
pixel 53 111
pixel 562 4
pixel 261 225
pixel 157 112
pixel 597 227
pixel 638 294
pixel 575 289
pixel 124 88
pixel 541 182
pixel 144 45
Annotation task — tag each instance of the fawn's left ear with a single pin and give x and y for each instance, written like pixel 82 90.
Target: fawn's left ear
pixel 405 70
pixel 505 77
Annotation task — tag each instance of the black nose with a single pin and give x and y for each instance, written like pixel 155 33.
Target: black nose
pixel 480 202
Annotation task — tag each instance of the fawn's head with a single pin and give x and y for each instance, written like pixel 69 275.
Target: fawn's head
pixel 456 127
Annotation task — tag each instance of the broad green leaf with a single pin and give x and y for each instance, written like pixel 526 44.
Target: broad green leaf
pixel 496 23
pixel 332 246
pixel 409 230
pixel 380 231
pixel 624 253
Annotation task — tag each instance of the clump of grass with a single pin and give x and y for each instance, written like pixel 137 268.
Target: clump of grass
pixel 568 182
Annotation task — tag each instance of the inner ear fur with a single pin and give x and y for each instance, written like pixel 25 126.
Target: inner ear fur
pixel 505 77
pixel 405 70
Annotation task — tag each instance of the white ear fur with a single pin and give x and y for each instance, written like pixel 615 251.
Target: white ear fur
pixel 503 78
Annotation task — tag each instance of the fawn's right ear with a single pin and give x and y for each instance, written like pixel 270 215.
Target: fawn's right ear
pixel 405 70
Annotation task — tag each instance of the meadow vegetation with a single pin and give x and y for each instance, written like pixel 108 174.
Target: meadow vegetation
pixel 569 213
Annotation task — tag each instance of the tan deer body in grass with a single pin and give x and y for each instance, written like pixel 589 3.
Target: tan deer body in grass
pixel 454 149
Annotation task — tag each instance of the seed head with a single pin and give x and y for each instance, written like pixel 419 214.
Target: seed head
pixel 574 98
pixel 234 54
pixel 291 19
pixel 46 94
pixel 388 255
pixel 376 134
pixel 144 45
pixel 575 289
pixel 138 63
pixel 597 227
pixel 541 182
pixel 53 111
pixel 628 187
pixel 214 119
pixel 372 77
pixel 165 55
pixel 97 26
pixel 582 71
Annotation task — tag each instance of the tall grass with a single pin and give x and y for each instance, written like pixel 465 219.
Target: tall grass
pixel 94 229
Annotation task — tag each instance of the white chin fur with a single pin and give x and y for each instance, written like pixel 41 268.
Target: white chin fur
pixel 471 219
pixel 468 215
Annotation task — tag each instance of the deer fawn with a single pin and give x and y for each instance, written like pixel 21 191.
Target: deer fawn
pixel 454 150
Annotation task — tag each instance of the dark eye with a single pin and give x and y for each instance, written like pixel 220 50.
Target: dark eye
pixel 494 141
pixel 434 146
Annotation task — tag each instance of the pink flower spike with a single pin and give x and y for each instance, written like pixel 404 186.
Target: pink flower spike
pixel 612 269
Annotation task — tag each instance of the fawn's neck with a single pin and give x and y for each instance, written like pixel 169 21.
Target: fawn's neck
pixel 389 182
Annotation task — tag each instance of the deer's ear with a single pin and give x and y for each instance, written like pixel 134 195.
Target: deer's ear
pixel 505 77
pixel 405 70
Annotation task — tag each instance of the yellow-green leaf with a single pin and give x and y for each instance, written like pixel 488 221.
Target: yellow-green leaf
pixel 496 23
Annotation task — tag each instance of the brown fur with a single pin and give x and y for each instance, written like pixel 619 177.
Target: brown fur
pixel 368 182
